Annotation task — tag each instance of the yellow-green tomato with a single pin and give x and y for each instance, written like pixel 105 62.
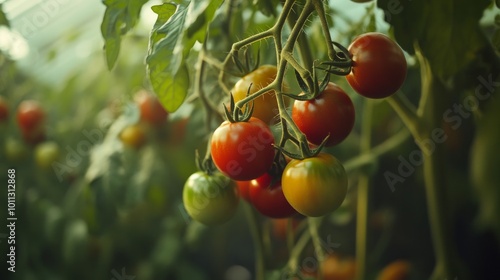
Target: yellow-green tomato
pixel 47 153
pixel 210 199
pixel 315 186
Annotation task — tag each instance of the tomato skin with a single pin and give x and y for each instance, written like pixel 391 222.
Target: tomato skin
pixel 330 113
pixel 243 150
pixel 265 106
pixel 268 198
pixel 210 199
pixel 133 136
pixel 150 108
pixel 30 115
pixel 4 110
pixel 315 186
pixel 379 65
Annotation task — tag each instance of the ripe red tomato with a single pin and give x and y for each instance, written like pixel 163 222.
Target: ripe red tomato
pixel 4 110
pixel 210 199
pixel 330 113
pixel 268 198
pixel 243 150
pixel 151 109
pixel 315 186
pixel 265 106
pixel 30 115
pixel 379 65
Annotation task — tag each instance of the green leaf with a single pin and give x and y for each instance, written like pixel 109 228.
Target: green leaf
pixel 119 18
pixel 447 31
pixel 174 34
pixel 3 18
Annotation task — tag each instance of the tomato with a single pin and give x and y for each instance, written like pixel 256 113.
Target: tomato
pixel 4 110
pixel 47 153
pixel 15 150
pixel 243 189
pixel 268 198
pixel 336 268
pixel 280 227
pixel 150 108
pixel 397 270
pixel 265 106
pixel 30 115
pixel 133 136
pixel 210 199
pixel 243 150
pixel 315 186
pixel 379 65
pixel 330 113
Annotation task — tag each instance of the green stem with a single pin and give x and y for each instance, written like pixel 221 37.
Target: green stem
pixel 430 112
pixel 377 151
pixel 320 9
pixel 363 194
pixel 313 229
pixel 257 241
pixel 303 43
pixel 406 111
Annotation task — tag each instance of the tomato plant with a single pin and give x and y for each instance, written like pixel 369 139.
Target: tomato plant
pixel 4 110
pixel 210 199
pixel 331 113
pixel 243 150
pixel 150 108
pixel 267 197
pixel 379 65
pixel 315 186
pixel 265 106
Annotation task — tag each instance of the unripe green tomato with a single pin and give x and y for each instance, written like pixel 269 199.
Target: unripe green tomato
pixel 15 150
pixel 210 199
pixel 47 153
pixel 315 186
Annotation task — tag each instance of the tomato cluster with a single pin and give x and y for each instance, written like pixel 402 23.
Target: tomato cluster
pixel 316 183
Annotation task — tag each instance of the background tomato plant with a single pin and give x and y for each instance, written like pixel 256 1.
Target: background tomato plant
pixel 103 209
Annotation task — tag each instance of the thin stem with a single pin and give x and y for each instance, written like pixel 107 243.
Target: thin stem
pixel 363 194
pixel 303 43
pixel 406 111
pixel 377 151
pixel 320 9
pixel 313 229
pixel 257 241
pixel 430 111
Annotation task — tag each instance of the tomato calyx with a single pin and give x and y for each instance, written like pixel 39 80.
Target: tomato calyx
pixel 206 164
pixel 308 93
pixel 249 65
pixel 235 114
pixel 304 148
pixel 341 64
